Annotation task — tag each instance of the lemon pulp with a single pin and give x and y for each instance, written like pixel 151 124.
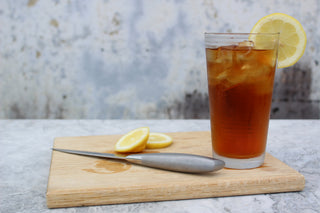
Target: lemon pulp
pixel 292 41
pixel 133 141
pixel 158 140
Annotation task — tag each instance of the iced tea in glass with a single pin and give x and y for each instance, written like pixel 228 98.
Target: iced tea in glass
pixel 240 69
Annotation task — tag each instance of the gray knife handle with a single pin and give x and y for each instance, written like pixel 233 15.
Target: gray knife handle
pixel 177 162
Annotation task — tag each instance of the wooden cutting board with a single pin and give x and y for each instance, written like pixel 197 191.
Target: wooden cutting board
pixel 82 181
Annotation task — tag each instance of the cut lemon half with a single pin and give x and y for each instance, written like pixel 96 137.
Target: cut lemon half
pixel 292 41
pixel 158 140
pixel 133 141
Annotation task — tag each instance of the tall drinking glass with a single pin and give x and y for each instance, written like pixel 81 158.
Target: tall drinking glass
pixel 241 69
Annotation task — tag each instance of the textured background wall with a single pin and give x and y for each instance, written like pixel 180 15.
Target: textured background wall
pixel 136 59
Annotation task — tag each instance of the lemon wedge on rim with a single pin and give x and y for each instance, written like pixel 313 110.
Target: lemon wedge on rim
pixel 158 140
pixel 292 41
pixel 133 141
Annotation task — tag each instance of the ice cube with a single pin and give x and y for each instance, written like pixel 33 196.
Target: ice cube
pixel 221 76
pixel 210 54
pixel 225 54
pixel 246 44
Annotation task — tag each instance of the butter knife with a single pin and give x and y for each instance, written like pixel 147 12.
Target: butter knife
pixel 178 162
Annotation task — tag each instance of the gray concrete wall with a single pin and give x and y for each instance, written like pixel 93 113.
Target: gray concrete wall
pixel 136 59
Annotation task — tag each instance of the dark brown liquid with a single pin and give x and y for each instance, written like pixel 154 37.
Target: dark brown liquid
pixel 240 90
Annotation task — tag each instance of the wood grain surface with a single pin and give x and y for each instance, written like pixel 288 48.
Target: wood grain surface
pixel 83 181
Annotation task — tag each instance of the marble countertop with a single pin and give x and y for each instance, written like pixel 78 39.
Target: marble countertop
pixel 26 153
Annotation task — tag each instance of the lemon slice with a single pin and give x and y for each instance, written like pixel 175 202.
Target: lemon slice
pixel 158 140
pixel 133 141
pixel 293 39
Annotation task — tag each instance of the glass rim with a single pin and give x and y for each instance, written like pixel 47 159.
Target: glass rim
pixel 213 40
pixel 208 33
